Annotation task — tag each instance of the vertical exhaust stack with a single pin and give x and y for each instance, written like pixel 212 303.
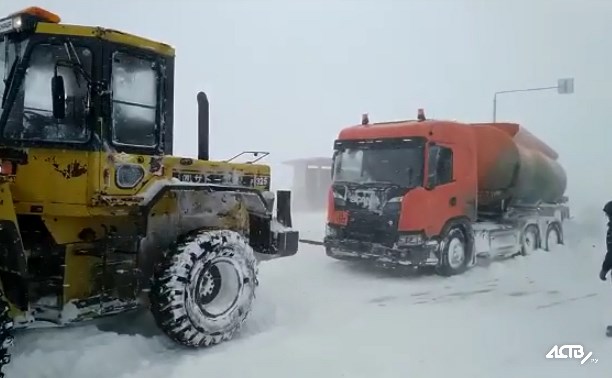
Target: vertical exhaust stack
pixel 203 127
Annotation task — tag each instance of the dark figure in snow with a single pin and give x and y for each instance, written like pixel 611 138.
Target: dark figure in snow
pixel 607 263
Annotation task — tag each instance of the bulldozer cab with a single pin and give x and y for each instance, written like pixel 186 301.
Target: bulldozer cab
pixel 75 97
pixel 88 112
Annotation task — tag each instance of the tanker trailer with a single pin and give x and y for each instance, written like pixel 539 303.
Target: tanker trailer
pixel 439 193
pixel 521 186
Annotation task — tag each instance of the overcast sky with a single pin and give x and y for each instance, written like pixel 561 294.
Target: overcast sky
pixel 285 76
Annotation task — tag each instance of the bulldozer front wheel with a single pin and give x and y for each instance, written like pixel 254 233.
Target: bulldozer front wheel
pixel 204 289
pixel 6 336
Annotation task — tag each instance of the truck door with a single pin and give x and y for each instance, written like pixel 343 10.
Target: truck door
pixel 444 201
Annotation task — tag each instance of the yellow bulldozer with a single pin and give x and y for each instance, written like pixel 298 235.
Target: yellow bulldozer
pixel 96 215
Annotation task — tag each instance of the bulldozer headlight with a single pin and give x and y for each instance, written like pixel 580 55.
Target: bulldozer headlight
pixel 10 24
pixel 128 176
pixel 27 19
pixel 269 197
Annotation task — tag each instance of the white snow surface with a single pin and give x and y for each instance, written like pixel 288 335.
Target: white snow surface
pixel 318 317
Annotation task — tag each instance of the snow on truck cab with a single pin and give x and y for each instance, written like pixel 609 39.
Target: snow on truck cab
pixel 96 215
pixel 440 193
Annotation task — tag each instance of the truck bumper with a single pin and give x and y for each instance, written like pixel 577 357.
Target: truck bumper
pixel 365 251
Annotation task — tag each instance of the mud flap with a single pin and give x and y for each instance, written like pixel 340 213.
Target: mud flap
pixel 283 207
pixel 286 243
pixel 473 257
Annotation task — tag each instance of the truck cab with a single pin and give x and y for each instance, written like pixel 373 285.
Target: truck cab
pixel 396 187
pixel 425 192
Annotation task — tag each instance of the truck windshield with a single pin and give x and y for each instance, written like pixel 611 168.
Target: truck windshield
pixel 397 162
pixel 31 115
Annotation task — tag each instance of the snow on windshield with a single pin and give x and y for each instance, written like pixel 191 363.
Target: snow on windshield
pixel 400 166
pixel 349 167
pixel 135 93
pixel 32 114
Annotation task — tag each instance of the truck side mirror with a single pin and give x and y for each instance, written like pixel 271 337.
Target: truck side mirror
pixel 431 182
pixel 58 95
pixel 432 165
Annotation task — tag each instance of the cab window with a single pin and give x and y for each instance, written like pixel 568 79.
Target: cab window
pixel 135 98
pixel 31 117
pixel 440 166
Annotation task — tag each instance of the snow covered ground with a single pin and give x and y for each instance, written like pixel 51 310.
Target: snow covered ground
pixel 317 317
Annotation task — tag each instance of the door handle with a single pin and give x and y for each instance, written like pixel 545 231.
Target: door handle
pixel 452 201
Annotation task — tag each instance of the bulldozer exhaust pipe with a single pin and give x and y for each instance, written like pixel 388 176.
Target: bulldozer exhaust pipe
pixel 203 127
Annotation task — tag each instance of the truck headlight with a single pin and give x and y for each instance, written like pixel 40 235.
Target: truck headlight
pixel 331 231
pixel 410 239
pixel 128 176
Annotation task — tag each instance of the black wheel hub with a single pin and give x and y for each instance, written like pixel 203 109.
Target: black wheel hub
pixel 209 285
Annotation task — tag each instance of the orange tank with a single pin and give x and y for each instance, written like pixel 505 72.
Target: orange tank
pixel 513 163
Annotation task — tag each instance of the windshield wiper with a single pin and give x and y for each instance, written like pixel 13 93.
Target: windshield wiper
pixel 365 183
pixel 377 182
pixel 75 63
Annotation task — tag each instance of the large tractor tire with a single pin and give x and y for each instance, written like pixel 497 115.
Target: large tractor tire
pixel 204 289
pixel 6 337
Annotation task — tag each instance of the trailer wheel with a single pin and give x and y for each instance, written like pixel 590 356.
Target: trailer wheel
pixel 454 253
pixel 204 289
pixel 554 237
pixel 530 240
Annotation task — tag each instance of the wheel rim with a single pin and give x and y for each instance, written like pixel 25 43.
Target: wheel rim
pixel 456 253
pixel 530 241
pixel 217 288
pixel 553 239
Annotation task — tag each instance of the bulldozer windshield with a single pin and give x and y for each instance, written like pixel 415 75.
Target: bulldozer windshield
pixel 112 94
pixel 395 162
pixel 30 115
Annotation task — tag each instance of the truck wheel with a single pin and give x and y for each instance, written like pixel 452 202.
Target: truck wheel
pixel 530 240
pixel 204 289
pixel 554 237
pixel 6 337
pixel 454 253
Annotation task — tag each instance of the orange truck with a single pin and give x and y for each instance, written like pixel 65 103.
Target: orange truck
pixel 441 193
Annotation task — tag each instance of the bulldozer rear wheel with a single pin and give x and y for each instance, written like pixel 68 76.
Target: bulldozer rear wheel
pixel 204 289
pixel 6 336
